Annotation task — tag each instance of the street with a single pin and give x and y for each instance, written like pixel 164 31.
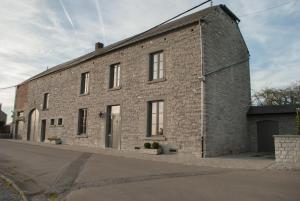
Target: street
pixel 44 172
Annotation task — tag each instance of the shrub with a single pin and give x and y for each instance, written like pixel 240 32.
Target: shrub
pixel 147 145
pixel 155 145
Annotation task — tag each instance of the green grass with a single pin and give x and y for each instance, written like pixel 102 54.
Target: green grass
pixel 53 196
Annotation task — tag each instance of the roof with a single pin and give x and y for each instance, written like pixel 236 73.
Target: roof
pixel 273 109
pixel 162 29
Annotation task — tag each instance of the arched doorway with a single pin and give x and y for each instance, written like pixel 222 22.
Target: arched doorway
pixel 265 131
pixel 33 125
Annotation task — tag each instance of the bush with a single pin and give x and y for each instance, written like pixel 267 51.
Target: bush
pixel 147 145
pixel 155 145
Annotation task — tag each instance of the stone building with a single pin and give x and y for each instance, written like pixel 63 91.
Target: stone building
pixel 3 118
pixel 184 84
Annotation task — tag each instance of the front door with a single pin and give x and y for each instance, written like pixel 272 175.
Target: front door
pixel 265 131
pixel 43 130
pixel 113 138
pixel 33 125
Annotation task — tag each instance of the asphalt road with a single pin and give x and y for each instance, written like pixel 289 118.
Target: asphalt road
pixel 44 172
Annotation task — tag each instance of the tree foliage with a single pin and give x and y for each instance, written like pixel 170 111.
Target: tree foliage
pixel 274 96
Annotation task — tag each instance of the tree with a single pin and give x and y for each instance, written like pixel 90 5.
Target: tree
pixel 274 96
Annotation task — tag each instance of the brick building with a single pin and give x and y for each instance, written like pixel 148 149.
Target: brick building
pixel 185 84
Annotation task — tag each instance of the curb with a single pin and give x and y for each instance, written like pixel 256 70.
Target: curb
pixel 14 185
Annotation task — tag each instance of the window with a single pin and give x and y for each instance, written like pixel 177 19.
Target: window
pixel 52 122
pixel 46 101
pixel 115 72
pixel 156 66
pixel 84 87
pixel 82 121
pixel 60 121
pixel 155 118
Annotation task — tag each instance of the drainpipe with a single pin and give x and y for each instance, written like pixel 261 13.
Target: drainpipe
pixel 202 80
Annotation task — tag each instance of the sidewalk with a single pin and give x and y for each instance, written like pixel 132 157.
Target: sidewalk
pixel 249 161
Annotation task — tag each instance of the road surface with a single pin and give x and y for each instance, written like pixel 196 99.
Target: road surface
pixel 44 172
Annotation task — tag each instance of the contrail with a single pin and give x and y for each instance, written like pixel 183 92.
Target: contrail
pixel 101 20
pixel 67 14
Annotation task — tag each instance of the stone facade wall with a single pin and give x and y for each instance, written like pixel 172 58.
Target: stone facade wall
pixel 226 100
pixel 227 86
pixel 286 124
pixel 287 148
pixel 180 91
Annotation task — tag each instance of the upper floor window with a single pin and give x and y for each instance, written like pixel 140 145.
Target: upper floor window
pixel 156 66
pixel 60 121
pixel 82 116
pixel 155 118
pixel 84 86
pixel 52 122
pixel 114 76
pixel 46 101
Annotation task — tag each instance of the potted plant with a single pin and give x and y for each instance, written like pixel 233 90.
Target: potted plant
pixel 153 149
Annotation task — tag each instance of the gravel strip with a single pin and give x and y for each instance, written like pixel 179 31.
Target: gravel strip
pixel 7 192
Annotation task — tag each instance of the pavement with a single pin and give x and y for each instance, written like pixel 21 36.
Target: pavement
pixel 58 172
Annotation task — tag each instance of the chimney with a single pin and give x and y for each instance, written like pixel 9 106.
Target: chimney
pixel 99 45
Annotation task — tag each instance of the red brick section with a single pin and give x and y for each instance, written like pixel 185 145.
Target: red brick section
pixel 21 97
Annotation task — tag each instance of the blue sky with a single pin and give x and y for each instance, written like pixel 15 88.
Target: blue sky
pixel 36 34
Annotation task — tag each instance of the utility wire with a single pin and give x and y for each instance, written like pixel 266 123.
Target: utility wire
pixel 266 9
pixel 3 88
pixel 201 4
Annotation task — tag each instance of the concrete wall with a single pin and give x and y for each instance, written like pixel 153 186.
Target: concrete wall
pixel 227 89
pixel 180 91
pixel 286 123
pixel 287 148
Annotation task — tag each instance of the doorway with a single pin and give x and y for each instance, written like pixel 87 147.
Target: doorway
pixel 43 130
pixel 113 133
pixel 265 131
pixel 33 125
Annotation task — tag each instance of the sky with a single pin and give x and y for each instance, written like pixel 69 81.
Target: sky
pixel 39 34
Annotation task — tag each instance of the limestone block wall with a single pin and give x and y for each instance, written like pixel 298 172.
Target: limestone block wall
pixel 227 85
pixel 287 148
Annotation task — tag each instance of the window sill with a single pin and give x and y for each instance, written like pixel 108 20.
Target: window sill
pixel 156 138
pixel 81 136
pixel 156 81
pixel 60 125
pixel 46 109
pixel 84 94
pixel 114 89
pixel 52 126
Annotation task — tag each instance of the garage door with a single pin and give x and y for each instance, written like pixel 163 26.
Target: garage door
pixel 265 131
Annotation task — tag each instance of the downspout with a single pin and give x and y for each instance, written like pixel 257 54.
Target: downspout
pixel 13 122
pixel 202 80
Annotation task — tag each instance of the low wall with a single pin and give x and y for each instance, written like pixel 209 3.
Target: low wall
pixel 287 148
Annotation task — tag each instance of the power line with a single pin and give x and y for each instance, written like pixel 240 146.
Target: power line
pixel 266 9
pixel 9 87
pixel 201 4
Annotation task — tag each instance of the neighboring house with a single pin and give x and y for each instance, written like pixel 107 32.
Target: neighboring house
pixel 184 84
pixel 4 129
pixel 3 118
